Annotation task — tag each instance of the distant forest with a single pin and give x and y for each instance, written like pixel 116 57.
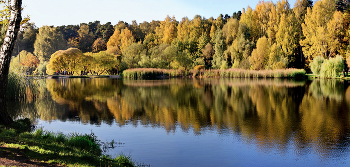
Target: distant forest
pixel 269 36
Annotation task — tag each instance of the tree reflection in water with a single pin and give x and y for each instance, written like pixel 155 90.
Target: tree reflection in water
pixel 270 113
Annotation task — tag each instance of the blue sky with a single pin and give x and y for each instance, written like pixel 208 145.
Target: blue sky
pixel 74 12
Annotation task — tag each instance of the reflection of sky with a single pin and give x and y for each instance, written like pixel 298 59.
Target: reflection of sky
pixel 155 146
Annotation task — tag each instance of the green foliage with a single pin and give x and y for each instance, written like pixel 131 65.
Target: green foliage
pixel 332 67
pixel 57 148
pixel 219 48
pixel 22 125
pixel 41 69
pixel 102 63
pixel 84 142
pixel 132 55
pixel 47 42
pixel 316 64
pixel 86 38
pixel 124 161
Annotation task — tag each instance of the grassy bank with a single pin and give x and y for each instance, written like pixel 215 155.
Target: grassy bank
pixel 144 73
pixel 17 141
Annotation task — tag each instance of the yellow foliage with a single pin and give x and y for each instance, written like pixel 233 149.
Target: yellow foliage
pixel 114 40
pixel 70 60
pixel 259 57
pixel 126 39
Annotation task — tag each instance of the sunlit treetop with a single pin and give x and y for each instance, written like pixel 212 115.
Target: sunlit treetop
pixel 6 12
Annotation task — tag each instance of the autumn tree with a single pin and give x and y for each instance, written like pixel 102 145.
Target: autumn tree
pixel 283 48
pixel 99 45
pixel 104 31
pixel 203 40
pixel 219 22
pixel 139 34
pixel 150 41
pixel 261 17
pixel 70 34
pixel 113 44
pixel 241 48
pixel 103 62
pixel 336 34
pixel 132 55
pixel 86 38
pixel 314 30
pixel 70 31
pixel 167 30
pixel 207 53
pixel 126 39
pixel 230 30
pixel 155 56
pixel 183 29
pixel 219 60
pixel 248 21
pixel 169 54
pixel 299 10
pixel 25 62
pixel 47 42
pixel 70 60
pixel 260 55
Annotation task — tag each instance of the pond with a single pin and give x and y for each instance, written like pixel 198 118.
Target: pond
pixel 208 122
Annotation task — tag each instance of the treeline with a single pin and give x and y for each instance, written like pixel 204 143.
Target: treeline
pixel 270 36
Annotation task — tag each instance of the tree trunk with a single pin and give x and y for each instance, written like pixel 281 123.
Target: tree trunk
pixel 5 57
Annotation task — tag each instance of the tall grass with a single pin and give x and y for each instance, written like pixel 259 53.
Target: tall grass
pixel 151 73
pixel 16 87
pixel 19 88
pixel 241 73
pixel 148 73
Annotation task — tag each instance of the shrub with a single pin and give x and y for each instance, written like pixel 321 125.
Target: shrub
pixel 316 64
pixel 84 142
pixel 332 67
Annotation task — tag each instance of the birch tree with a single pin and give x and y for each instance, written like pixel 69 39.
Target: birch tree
pixel 5 56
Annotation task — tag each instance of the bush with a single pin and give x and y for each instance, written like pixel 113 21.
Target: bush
pixel 332 67
pixel 316 64
pixel 85 142
pixel 41 69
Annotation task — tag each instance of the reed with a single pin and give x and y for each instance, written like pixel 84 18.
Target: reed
pixel 241 73
pixel 151 73
pixel 16 87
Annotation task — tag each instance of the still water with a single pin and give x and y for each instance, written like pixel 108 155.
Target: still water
pixel 210 122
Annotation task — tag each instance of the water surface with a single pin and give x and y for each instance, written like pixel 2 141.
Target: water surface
pixel 211 122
